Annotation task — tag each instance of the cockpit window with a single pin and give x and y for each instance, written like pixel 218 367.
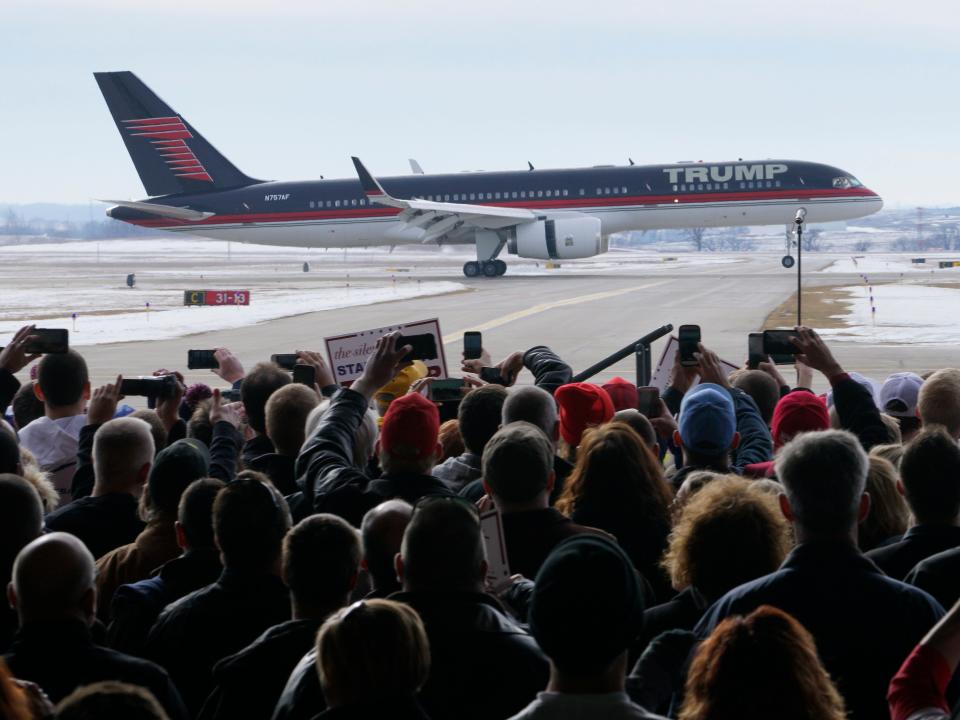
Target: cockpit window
pixel 846 182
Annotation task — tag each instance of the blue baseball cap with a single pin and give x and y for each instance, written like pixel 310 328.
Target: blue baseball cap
pixel 708 421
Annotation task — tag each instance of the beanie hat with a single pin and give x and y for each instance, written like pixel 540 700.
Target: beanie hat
pixel 623 393
pixel 898 396
pixel 174 468
pixel 708 421
pixel 797 412
pixel 587 606
pixel 581 405
pixel 410 427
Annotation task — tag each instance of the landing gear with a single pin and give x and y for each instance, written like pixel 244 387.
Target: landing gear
pixel 488 268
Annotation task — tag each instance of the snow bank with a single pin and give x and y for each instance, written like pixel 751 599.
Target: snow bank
pixel 906 314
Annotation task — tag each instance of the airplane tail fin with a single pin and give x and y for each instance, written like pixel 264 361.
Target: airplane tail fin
pixel 170 156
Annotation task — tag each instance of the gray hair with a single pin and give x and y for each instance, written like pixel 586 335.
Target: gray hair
pixel 824 475
pixel 121 448
pixel 364 439
pixel 531 404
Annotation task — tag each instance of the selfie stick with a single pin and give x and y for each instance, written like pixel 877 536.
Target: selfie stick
pixel 800 217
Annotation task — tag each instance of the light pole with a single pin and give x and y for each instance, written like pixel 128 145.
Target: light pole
pixel 799 219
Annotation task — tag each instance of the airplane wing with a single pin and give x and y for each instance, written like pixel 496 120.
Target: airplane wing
pixel 167 211
pixel 437 219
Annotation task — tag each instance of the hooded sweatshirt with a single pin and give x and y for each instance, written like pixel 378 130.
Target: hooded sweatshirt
pixel 54 445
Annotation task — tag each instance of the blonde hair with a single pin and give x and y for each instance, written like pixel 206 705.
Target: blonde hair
pixel 372 649
pixel 121 448
pixel 729 533
pixel 939 400
pixel 892 452
pixel 889 512
pixel 36 476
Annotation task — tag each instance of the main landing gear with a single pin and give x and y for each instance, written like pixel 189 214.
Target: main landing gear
pixel 487 268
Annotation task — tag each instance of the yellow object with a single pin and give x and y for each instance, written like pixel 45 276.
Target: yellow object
pixel 399 385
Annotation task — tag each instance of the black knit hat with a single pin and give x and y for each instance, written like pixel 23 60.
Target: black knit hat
pixel 173 469
pixel 587 604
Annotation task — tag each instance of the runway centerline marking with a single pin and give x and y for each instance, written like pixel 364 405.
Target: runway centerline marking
pixel 543 307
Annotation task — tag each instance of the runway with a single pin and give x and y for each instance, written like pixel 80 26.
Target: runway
pixel 584 312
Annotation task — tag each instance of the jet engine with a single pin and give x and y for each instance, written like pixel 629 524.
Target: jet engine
pixel 558 239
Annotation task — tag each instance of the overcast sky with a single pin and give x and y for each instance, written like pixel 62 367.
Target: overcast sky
pixel 289 90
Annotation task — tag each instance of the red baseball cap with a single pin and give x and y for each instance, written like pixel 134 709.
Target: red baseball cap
pixel 410 427
pixel 582 405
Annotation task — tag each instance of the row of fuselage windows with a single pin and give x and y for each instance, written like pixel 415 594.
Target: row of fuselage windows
pixel 478 197
pixel 743 185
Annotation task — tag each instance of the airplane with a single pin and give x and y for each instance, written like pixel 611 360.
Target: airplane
pixel 545 214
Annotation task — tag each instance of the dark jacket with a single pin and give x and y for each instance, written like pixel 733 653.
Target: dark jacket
pixel 755 446
pixel 920 542
pixel 332 484
pixel 103 523
pixel 249 683
pixel 199 630
pixel 136 607
pixel 549 371
pixel 682 612
pixel 9 385
pixel 642 539
pixel 939 575
pixel 475 647
pixel 302 697
pixel 863 622
pixel 279 468
pixel 255 447
pixel 401 708
pixel 530 535
pixel 61 656
pixel 857 411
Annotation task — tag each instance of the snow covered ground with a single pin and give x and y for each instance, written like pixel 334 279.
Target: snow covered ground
pixel 906 315
pixel 121 317
pixel 895 263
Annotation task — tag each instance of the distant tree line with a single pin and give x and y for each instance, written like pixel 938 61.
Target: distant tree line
pixel 16 228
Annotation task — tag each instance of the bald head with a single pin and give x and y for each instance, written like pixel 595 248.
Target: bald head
pixel 534 405
pixel 21 518
pixel 53 579
pixel 382 533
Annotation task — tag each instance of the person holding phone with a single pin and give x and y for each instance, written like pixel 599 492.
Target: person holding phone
pixel 719 426
pixel 408 445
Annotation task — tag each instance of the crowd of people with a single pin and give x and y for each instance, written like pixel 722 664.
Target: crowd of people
pixel 746 549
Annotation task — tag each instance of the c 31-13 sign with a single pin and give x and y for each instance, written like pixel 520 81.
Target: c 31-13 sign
pixel 216 297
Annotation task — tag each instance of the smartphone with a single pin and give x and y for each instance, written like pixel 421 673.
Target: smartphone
pixel 449 390
pixel 492 375
pixel 424 346
pixel 201 360
pixel 285 360
pixel 472 345
pixel 689 337
pixel 648 401
pixel 776 344
pixel 153 388
pixel 230 395
pixel 49 340
pixel 305 375
pixel 755 354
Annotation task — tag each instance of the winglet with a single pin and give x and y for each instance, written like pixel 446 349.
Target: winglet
pixel 371 188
